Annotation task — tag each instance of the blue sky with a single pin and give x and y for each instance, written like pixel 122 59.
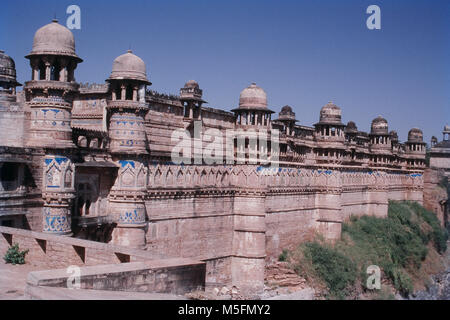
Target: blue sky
pixel 303 53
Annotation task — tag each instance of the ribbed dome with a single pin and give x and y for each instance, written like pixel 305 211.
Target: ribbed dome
pixel 415 135
pixel 253 97
pixel 7 70
pixel 379 126
pixel 54 39
pixel 351 127
pixel 447 128
pixel 129 66
pixel 330 114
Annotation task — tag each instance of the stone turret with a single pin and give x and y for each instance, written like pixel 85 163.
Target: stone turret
pixel 287 117
pixel 380 142
pixel 351 131
pixel 52 88
pixel 329 132
pixel 330 126
pixel 50 95
pixel 191 98
pixel 8 81
pixel 253 116
pixel 127 109
pixel 11 112
pixel 253 109
pixel 415 148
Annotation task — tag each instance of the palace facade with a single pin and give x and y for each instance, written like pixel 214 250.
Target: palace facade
pixel 95 161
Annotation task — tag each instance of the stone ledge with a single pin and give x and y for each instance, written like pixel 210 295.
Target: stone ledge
pixel 177 276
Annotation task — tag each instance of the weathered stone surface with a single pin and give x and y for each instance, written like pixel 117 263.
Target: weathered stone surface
pixel 95 162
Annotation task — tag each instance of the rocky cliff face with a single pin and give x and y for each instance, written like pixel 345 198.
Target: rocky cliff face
pixel 435 196
pixel 439 289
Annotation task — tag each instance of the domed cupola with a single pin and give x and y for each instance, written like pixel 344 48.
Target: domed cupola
pixel 415 135
pixel 128 142
pixel 52 87
pixel 191 98
pixel 7 73
pixel 380 142
pixel 394 136
pixel 128 78
pixel 415 144
pixel 331 114
pixel 54 39
pixel 379 126
pixel 253 107
pixel 53 55
pixel 127 107
pixel 253 97
pixel 287 117
pixel 49 95
pixel 330 127
pixel 287 114
pixel 129 66
pixel 351 131
pixel 351 127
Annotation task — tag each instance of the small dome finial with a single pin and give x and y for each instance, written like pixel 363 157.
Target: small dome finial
pixel 129 51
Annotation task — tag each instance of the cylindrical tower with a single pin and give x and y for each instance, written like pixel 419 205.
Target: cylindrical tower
pixel 51 90
pixel 126 110
pixel 49 95
pixel 380 143
pixel 191 98
pixel 415 149
pixel 287 117
pixel 253 121
pixel 330 135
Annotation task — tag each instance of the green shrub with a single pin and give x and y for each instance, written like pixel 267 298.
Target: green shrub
pixel 439 235
pixel 338 271
pixel 402 282
pixel 14 255
pixel 283 256
pixel 398 244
